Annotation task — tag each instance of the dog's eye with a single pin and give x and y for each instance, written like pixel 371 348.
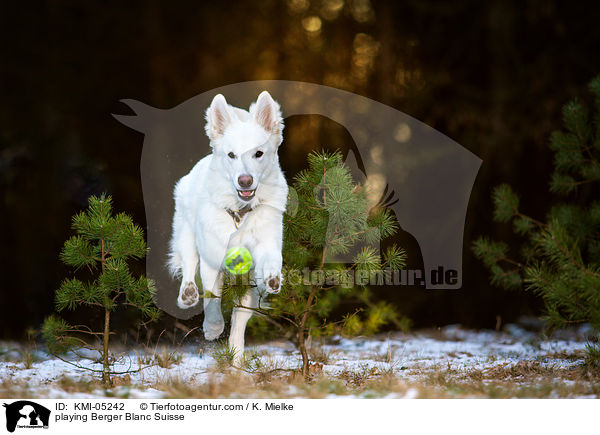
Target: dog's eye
pixel 231 155
pixel 258 154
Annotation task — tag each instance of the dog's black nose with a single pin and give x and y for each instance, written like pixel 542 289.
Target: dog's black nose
pixel 245 181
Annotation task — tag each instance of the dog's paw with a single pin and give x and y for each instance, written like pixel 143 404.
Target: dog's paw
pixel 273 284
pixel 270 280
pixel 268 275
pixel 213 329
pixel 188 296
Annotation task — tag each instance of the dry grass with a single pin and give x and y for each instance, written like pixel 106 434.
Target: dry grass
pixel 320 355
pixel 365 383
pixel 23 390
pixel 17 390
pixel 526 379
pixel 387 355
pixel 71 385
pixel 165 359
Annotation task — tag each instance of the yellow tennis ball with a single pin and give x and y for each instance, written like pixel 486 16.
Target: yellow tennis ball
pixel 238 260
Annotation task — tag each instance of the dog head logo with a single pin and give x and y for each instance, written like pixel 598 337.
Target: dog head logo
pixel 430 175
pixel 26 414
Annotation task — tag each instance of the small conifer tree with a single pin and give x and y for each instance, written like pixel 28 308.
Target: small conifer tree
pixel 560 256
pixel 102 245
pixel 328 216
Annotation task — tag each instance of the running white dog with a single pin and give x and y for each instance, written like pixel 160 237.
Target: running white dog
pixel 235 196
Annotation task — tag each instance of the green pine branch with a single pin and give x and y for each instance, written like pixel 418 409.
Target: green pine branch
pixel 559 257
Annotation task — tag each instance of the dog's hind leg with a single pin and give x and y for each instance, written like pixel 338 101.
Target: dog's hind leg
pixel 239 319
pixel 184 261
pixel 213 317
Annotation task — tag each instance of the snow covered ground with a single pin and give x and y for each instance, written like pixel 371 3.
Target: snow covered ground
pixel 448 362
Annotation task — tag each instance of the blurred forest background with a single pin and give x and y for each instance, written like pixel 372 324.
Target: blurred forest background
pixel 490 75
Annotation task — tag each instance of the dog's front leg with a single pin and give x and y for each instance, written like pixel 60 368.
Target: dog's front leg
pixel 239 318
pixel 213 317
pixel 267 255
pixel 262 233
pixel 267 228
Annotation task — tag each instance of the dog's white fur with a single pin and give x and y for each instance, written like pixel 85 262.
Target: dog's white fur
pixel 203 229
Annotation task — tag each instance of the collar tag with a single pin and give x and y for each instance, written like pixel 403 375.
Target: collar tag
pixel 237 216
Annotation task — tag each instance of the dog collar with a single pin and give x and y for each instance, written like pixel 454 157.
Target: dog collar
pixel 237 216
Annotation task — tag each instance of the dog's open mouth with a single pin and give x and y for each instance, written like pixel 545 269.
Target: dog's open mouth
pixel 246 195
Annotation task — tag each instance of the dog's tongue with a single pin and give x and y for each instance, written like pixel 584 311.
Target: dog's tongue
pixel 246 193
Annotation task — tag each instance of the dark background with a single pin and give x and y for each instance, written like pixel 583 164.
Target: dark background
pixel 491 75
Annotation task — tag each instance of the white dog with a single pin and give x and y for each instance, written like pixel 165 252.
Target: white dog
pixel 235 196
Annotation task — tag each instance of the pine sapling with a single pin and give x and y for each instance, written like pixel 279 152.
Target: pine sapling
pixel 102 246
pixel 560 255
pixel 328 217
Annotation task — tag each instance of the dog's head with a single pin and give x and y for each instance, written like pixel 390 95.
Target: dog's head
pixel 245 142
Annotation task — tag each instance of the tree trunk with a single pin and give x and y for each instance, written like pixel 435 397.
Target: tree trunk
pixel 303 351
pixel 309 302
pixel 105 363
pixel 302 326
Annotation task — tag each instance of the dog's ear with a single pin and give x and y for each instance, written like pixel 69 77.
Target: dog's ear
pixel 218 117
pixel 267 114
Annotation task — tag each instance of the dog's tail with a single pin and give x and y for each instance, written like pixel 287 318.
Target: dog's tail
pixel 174 264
